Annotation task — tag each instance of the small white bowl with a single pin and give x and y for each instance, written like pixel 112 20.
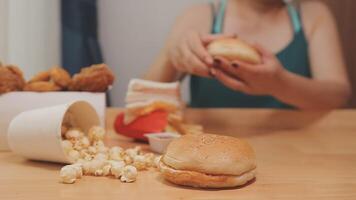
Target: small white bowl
pixel 159 141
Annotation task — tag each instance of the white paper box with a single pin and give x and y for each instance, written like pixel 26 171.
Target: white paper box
pixel 36 134
pixel 13 103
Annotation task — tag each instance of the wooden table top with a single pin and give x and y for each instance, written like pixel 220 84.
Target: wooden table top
pixel 300 155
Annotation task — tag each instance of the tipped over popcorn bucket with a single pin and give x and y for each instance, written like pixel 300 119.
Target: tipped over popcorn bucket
pixel 36 134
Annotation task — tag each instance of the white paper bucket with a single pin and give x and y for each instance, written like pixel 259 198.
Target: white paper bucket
pixel 36 134
pixel 11 106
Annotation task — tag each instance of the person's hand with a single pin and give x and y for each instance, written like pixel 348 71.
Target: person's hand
pixel 261 79
pixel 189 53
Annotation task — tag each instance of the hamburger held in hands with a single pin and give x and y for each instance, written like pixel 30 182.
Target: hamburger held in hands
pixel 234 49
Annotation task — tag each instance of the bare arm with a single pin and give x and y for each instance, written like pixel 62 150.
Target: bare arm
pixel 183 47
pixel 329 87
pixel 162 70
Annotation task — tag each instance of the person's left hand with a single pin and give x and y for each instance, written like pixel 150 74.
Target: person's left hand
pixel 261 79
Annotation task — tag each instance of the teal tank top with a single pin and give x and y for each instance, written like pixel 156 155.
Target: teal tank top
pixel 210 93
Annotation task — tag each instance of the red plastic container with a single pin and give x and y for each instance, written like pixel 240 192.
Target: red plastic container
pixel 154 122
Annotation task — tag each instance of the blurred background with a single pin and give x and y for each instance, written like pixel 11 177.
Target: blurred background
pixel 127 35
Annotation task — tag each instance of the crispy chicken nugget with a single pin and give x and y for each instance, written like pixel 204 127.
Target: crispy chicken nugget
pixel 96 78
pixel 11 79
pixel 42 76
pixel 14 69
pixel 60 76
pixel 42 86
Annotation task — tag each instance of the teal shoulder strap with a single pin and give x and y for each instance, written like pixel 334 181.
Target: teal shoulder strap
pixel 219 17
pixel 295 18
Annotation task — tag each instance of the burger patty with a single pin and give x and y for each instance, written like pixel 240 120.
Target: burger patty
pixel 199 179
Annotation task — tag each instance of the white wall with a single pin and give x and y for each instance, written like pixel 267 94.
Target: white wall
pixel 30 34
pixel 131 33
pixel 3 30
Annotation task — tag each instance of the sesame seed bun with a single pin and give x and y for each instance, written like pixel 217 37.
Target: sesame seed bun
pixel 208 161
pixel 234 49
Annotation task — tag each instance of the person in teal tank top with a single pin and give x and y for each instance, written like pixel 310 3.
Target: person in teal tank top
pixel 302 66
pixel 294 58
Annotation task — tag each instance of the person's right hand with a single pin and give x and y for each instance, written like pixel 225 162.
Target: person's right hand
pixel 189 54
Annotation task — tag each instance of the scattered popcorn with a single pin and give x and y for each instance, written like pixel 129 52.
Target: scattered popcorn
pixel 92 150
pixel 84 154
pixel 99 143
pixel 140 162
pixel 79 169
pixel 68 174
pixel 86 167
pixel 80 162
pixel 107 170
pixel 115 153
pixel 133 152
pixel 127 159
pixel 101 156
pixel 88 157
pixel 74 155
pixel 116 163
pixel 91 157
pixel 149 159
pixel 116 157
pixel 67 146
pixel 97 164
pixel 116 150
pixel 90 167
pixel 102 149
pixel 85 142
pixel 117 168
pixel 74 134
pixel 77 146
pixel 129 174
pixel 96 133
pixel 99 172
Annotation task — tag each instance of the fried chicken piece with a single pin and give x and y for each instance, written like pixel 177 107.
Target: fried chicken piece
pixel 96 78
pixel 50 80
pixel 42 76
pixel 42 86
pixel 11 79
pixel 60 77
